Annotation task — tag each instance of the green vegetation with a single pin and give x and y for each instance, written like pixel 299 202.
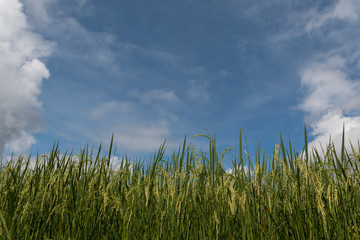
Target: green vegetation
pixel 312 195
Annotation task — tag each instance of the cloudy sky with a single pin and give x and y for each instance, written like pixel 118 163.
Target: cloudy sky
pixel 79 70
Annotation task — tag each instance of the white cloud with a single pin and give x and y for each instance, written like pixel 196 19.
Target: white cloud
pixel 198 85
pixel 141 137
pixel 198 90
pixel 80 44
pixel 162 102
pixel 117 162
pixel 137 127
pixel 81 3
pixel 130 134
pixel 332 90
pixel 344 10
pixel 107 108
pixel 230 170
pixel 223 73
pixel 332 124
pixel 38 8
pixel 74 42
pixel 22 142
pixel 336 23
pixel 255 100
pixel 331 100
pixel 329 87
pixel 155 96
pixel 125 118
pixel 21 79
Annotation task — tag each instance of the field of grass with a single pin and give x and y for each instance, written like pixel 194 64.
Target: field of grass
pixel 308 195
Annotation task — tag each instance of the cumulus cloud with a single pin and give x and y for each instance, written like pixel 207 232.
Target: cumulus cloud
pixel 332 88
pixel 21 79
pixel 331 124
pixel 332 99
pixel 329 87
pixel 39 9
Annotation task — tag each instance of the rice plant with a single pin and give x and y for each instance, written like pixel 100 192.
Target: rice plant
pixel 286 195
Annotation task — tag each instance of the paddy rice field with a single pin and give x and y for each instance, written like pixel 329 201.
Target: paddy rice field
pixel 311 194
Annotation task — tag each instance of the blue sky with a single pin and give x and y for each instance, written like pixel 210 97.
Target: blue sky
pixel 77 71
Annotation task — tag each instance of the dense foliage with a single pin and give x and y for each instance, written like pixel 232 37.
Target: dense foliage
pixel 311 195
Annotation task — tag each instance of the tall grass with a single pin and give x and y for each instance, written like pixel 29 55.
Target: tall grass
pixel 311 195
